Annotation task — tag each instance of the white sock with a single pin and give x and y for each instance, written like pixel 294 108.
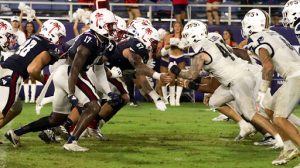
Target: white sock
pixel 164 91
pixel 33 91
pixel 178 93
pixel 242 123
pixel 26 91
pixel 288 145
pixel 172 95
pixel 278 138
pixel 153 95
pixel 267 134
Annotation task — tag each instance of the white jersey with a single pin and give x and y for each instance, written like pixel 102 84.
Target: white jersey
pixel 285 58
pixel 222 65
pixel 297 31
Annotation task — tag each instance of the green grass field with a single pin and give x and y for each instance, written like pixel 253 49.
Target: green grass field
pixel 181 137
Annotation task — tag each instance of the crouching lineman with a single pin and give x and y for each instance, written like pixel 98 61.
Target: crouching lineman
pixel 275 53
pixel 38 51
pixel 230 73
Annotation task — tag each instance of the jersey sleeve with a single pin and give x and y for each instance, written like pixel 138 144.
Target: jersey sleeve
pixel 256 43
pixel 297 32
pixel 89 41
pixel 139 48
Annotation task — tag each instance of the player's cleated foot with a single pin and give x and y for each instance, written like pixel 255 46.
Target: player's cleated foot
pixel 74 147
pixel 97 134
pixel 285 156
pixel 13 138
pixel 245 131
pixel 277 145
pixel 133 104
pixel 269 140
pixel 62 132
pixel 221 117
pixel 47 136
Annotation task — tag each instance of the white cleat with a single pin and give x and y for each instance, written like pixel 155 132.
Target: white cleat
pixel 267 141
pixel 74 147
pixel 277 145
pixel 13 138
pixel 245 131
pixel 97 134
pixel 285 156
pixel 221 117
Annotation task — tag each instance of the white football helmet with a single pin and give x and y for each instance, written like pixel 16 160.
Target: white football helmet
pixel 255 20
pixel 193 32
pixel 5 33
pixel 121 32
pixel 291 13
pixel 103 22
pixel 138 24
pixel 149 37
pixel 53 30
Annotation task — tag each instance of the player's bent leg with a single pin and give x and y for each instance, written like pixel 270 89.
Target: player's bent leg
pixel 55 119
pixel 14 111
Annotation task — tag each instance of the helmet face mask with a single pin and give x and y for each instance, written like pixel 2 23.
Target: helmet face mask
pixel 193 32
pixel 149 37
pixel 291 13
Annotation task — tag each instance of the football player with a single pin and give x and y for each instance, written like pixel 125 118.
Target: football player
pixel 275 53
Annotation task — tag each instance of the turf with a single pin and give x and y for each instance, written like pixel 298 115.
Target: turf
pixel 181 137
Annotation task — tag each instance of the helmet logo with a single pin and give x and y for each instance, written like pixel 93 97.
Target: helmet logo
pixel 3 25
pixel 55 26
pixel 148 31
pixel 98 16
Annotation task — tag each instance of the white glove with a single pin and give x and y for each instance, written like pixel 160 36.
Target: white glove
pixel 171 64
pixel 174 41
pixel 151 63
pixel 160 105
pixel 116 72
pixel 260 98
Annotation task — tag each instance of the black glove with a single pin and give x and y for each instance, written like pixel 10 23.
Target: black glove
pixel 115 99
pixel 5 81
pixel 73 100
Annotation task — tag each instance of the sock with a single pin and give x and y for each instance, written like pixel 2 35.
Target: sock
pixel 242 123
pixel 71 139
pixel 68 124
pixel 267 135
pixel 154 95
pixel 39 125
pixel 288 145
pixel 278 138
pixel 101 123
pixel 33 91
pixel 172 95
pixel 164 91
pixel 26 91
pixel 178 94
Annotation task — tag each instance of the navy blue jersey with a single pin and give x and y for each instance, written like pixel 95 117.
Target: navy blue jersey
pixel 117 58
pixel 27 52
pixel 96 46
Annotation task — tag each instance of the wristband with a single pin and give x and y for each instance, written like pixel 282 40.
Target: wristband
pixel 264 86
pixel 156 75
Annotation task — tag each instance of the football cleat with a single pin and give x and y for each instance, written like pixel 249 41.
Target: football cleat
pixel 48 136
pixel 245 131
pixel 74 147
pixel 97 134
pixel 269 140
pixel 221 117
pixel 285 156
pixel 13 138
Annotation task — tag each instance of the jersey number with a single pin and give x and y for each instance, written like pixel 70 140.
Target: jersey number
pixel 24 49
pixel 139 46
pixel 225 52
pixel 87 39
